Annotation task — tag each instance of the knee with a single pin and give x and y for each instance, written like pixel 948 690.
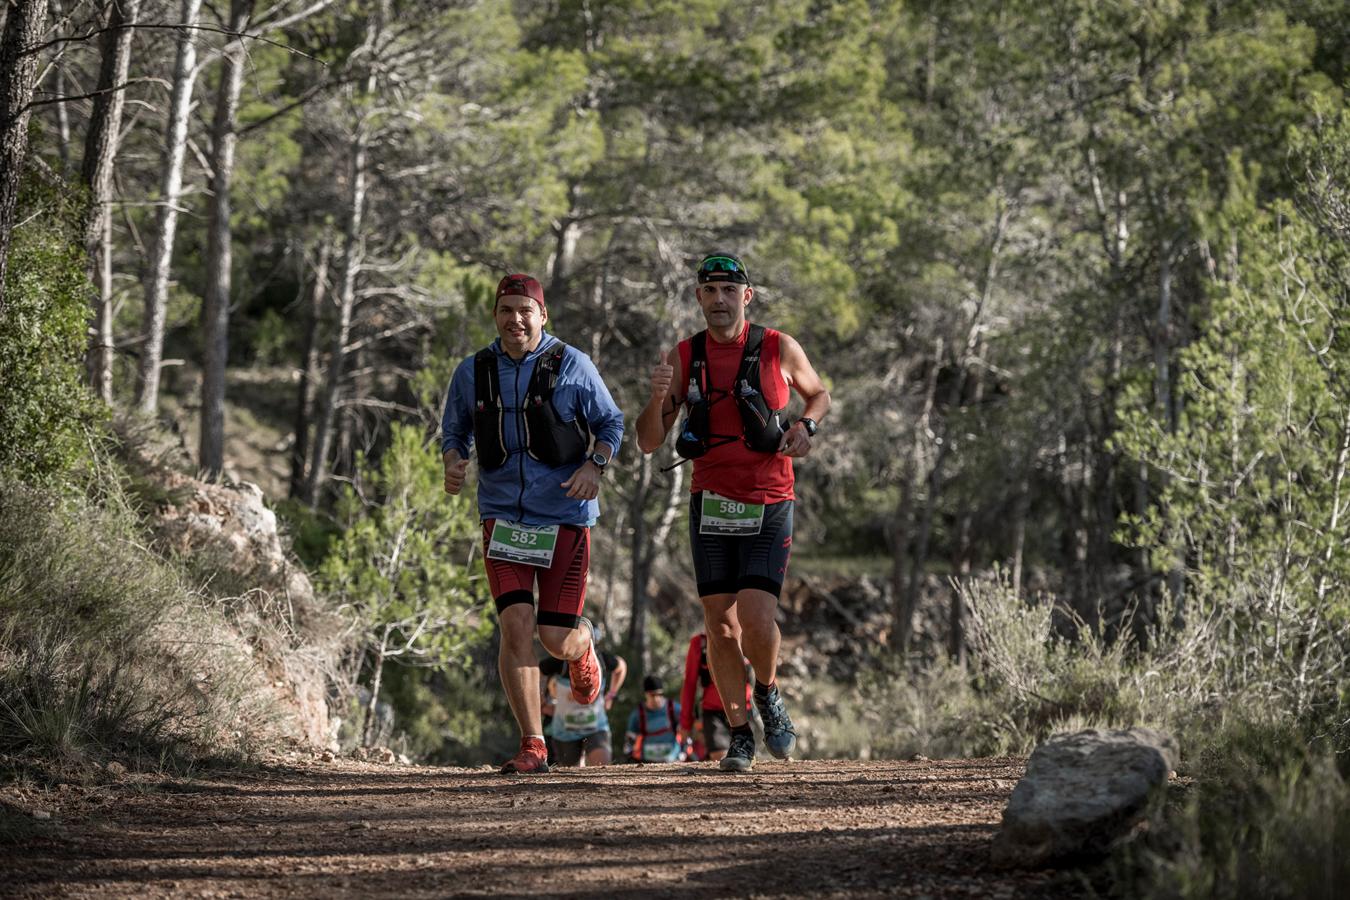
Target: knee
pixel 517 627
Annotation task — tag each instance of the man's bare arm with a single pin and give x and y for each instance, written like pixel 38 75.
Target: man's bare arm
pixel 658 415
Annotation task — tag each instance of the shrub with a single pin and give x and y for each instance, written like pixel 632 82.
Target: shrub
pixel 1269 817
pixel 104 648
pixel 44 407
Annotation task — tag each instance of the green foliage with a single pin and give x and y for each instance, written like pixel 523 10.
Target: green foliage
pixel 45 411
pixel 1254 474
pixel 1268 817
pixel 402 566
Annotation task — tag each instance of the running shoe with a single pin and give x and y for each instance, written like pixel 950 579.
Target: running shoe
pixel 779 735
pixel 584 673
pixel 741 755
pixel 531 760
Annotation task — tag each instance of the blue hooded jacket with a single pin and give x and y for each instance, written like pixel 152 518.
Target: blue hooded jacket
pixel 524 490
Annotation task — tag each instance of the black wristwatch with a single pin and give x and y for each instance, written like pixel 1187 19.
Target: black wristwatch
pixel 810 424
pixel 600 460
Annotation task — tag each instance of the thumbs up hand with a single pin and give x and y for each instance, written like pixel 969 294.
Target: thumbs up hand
pixel 662 375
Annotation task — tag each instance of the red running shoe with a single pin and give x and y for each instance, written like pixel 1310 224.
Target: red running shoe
pixel 531 760
pixel 584 673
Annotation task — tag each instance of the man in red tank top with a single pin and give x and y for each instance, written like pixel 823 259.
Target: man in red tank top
pixel 734 381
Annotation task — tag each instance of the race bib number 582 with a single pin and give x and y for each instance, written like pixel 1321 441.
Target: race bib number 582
pixel 529 544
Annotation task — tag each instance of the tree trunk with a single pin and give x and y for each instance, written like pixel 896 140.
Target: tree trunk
pixel 346 297
pixel 171 189
pixel 309 363
pixel 642 563
pixel 216 306
pixel 1021 508
pixel 62 113
pixel 901 558
pixel 96 171
pixel 24 24
pixel 376 676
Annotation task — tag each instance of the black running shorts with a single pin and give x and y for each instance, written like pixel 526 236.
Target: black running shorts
pixel 569 753
pixel 725 565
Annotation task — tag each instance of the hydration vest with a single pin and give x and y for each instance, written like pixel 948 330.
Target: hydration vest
pixel 761 428
pixel 642 727
pixel 548 438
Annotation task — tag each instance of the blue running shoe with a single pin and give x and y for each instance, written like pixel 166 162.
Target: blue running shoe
pixel 779 735
pixel 741 754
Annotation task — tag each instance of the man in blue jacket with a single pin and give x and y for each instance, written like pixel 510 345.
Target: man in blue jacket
pixel 545 428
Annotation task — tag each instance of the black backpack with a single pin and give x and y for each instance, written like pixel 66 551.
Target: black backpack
pixel 548 438
pixel 761 428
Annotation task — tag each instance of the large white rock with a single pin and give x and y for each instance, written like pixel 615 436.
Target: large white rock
pixel 1082 795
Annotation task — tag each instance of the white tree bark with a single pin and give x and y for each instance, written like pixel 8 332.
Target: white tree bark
pixel 171 189
pixel 216 305
pixel 351 262
pixel 100 155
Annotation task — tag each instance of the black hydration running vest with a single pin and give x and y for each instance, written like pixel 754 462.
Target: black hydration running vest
pixel 761 428
pixel 547 437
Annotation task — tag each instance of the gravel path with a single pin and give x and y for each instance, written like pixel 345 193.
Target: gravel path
pixel 343 829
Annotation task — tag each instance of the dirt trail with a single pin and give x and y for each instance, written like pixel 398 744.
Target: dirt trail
pixel 347 830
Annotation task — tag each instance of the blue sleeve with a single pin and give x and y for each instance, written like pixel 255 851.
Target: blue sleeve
pixel 633 722
pixel 602 414
pixel 457 420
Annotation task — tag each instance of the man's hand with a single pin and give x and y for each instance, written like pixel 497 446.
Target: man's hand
pixel 454 475
pixel 584 483
pixel 662 375
pixel 796 442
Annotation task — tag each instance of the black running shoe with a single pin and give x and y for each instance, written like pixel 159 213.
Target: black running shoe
pixel 779 735
pixel 741 755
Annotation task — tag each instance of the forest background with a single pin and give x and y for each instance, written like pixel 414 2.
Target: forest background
pixel 1075 273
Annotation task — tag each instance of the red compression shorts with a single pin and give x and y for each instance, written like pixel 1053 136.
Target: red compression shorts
pixel 562 586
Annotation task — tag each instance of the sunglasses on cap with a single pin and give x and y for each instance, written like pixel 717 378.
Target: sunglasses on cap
pixel 722 268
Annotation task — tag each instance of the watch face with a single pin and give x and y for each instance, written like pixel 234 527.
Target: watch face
pixel 599 459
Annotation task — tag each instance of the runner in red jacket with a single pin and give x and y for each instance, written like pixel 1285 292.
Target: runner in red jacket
pixel 716 729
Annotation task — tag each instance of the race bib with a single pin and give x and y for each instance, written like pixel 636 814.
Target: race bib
pixel 529 544
pixel 584 718
pixel 722 515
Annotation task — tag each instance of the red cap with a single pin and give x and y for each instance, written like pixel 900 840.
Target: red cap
pixel 521 286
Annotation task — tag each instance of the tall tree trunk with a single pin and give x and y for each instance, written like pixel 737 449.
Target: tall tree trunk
pixel 171 189
pixel 965 352
pixel 1021 508
pixel 376 677
pixel 216 307
pixel 96 171
pixel 566 234
pixel 309 363
pixel 642 571
pixel 645 544
pixel 24 24
pixel 901 538
pixel 62 113
pixel 346 294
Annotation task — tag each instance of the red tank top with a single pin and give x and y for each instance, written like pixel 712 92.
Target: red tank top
pixel 733 469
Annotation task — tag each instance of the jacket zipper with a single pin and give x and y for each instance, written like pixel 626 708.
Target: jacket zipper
pixel 520 433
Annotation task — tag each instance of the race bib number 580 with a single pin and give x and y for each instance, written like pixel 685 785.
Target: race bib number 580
pixel 529 544
pixel 722 515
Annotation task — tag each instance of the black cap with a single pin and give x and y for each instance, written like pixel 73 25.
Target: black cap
pixel 722 267
pixel 652 683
